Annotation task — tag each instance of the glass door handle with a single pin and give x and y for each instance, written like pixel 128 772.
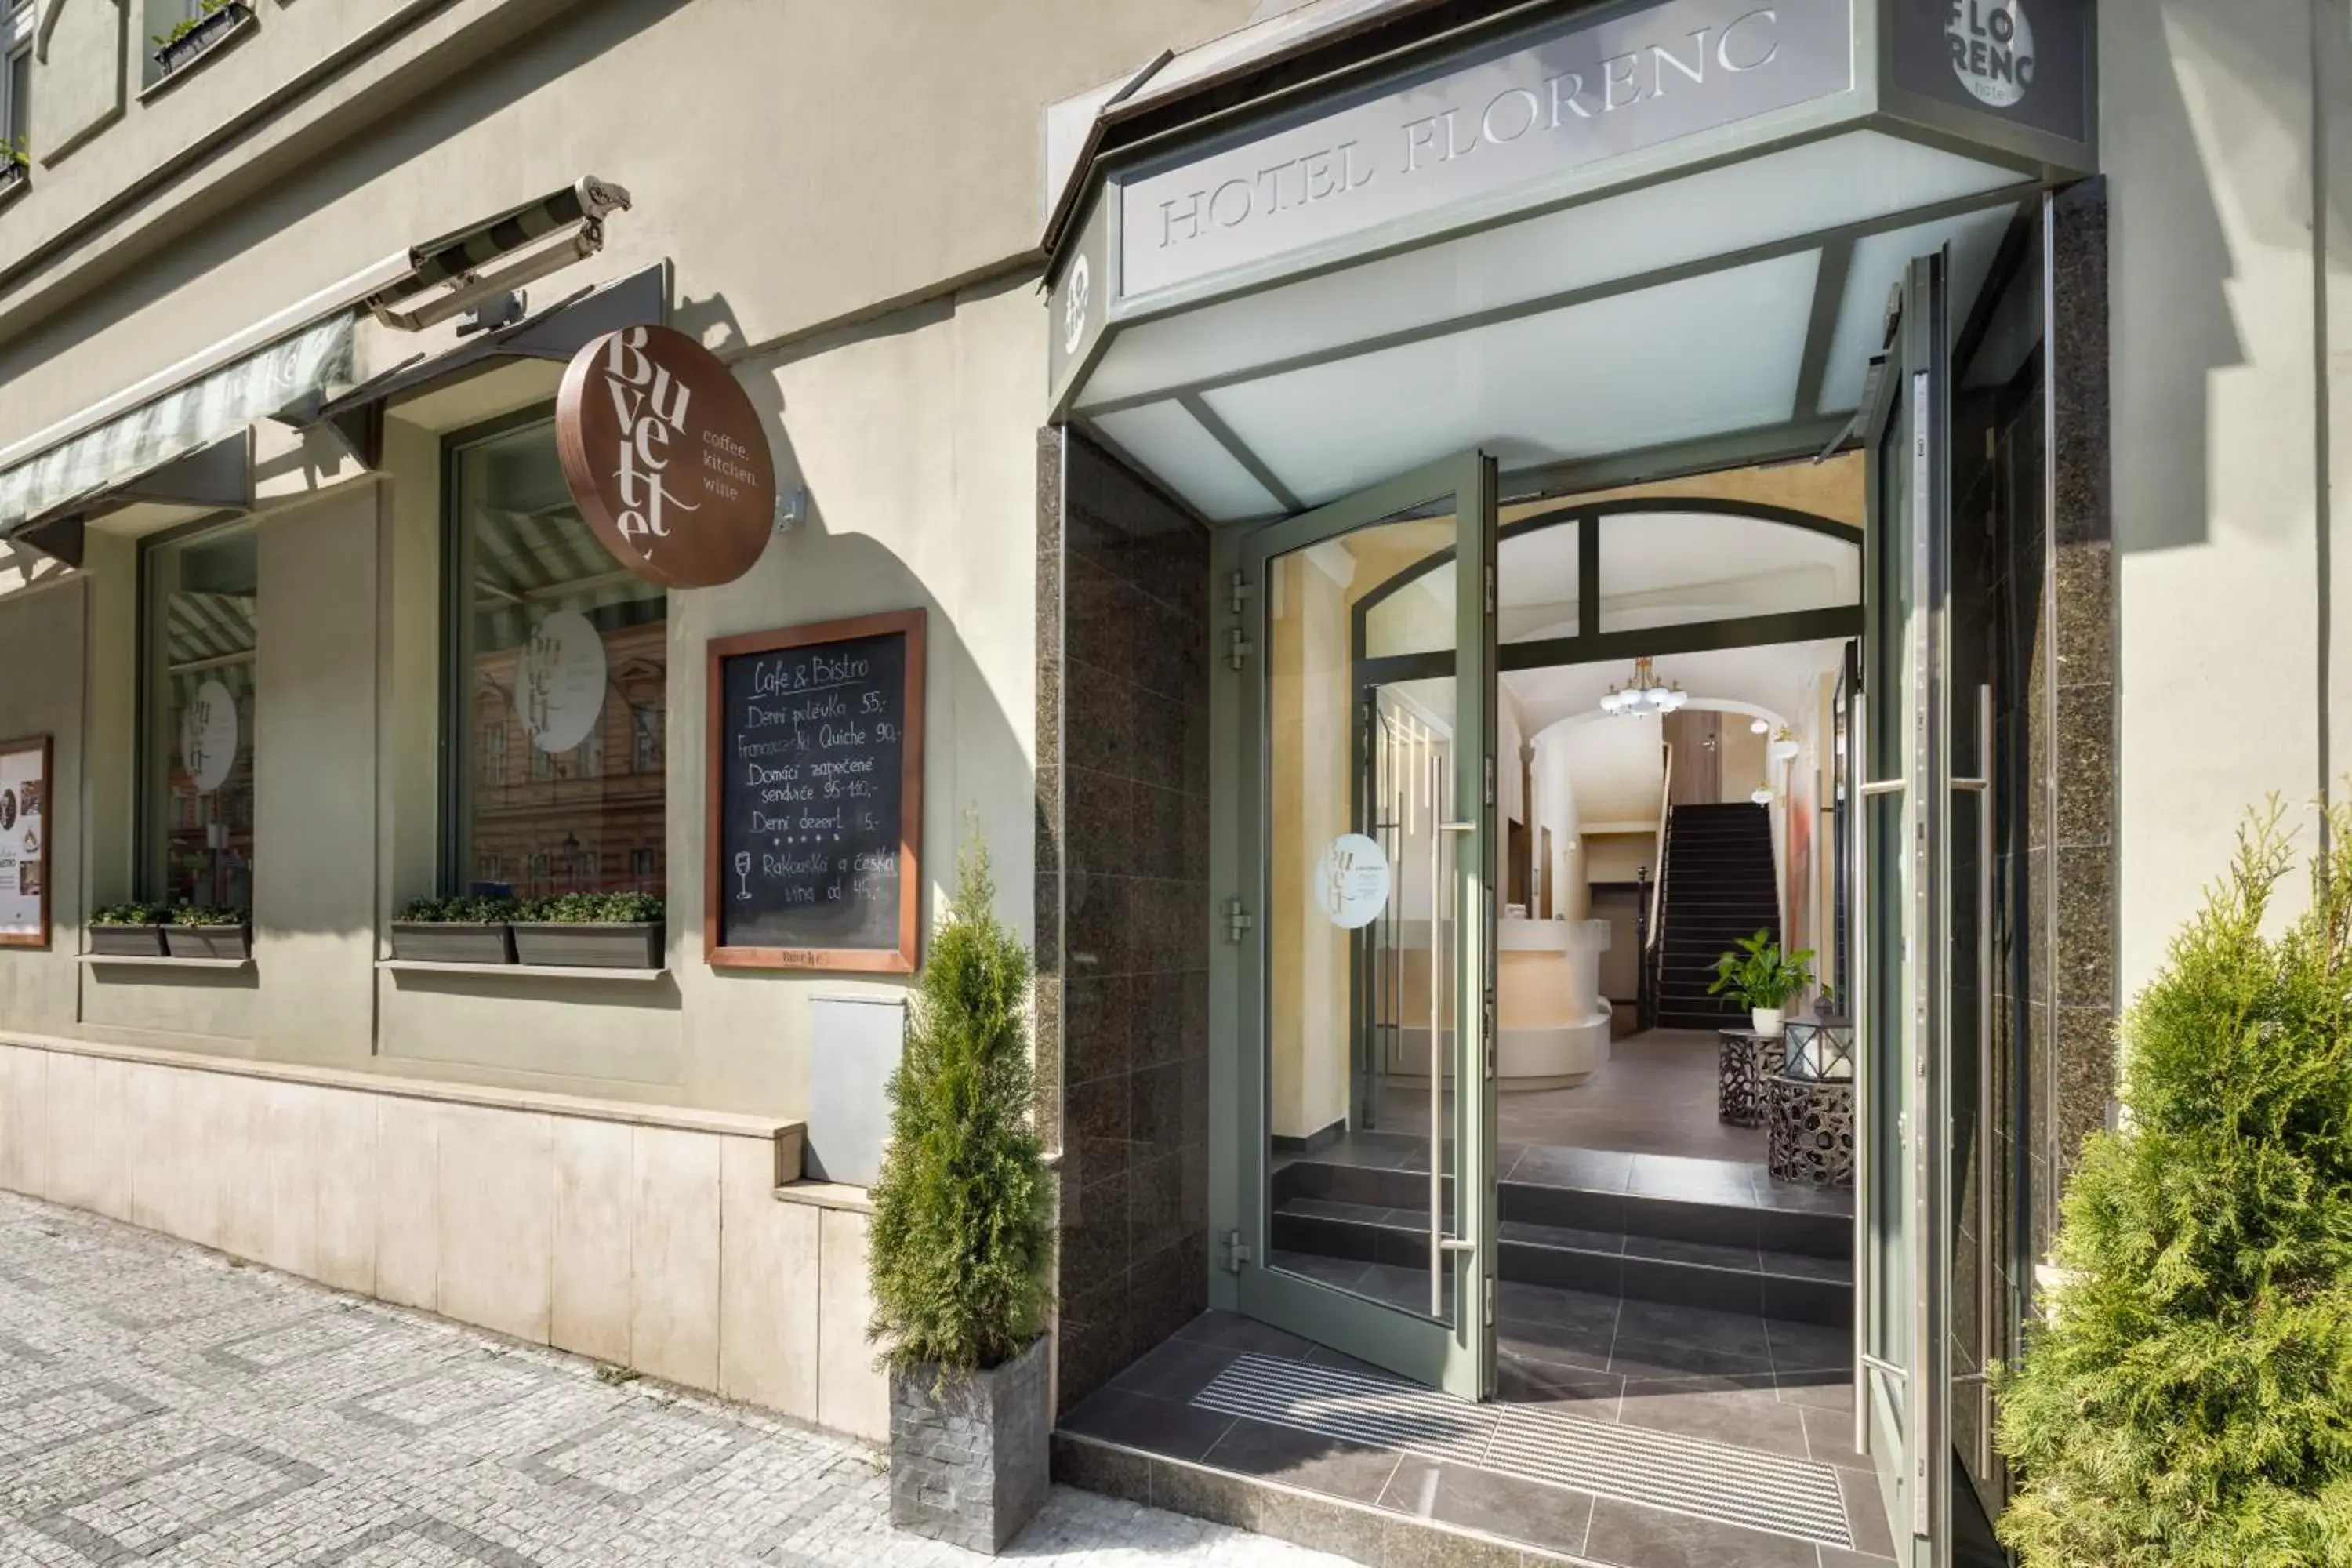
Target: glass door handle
pixel 1457 1244
pixel 1457 828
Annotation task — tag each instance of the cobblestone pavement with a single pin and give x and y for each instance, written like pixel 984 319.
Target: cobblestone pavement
pixel 160 1405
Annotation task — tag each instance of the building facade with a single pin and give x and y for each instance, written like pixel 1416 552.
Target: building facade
pixel 1173 359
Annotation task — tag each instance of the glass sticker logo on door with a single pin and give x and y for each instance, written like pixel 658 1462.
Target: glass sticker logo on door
pixel 1352 881
pixel 1992 50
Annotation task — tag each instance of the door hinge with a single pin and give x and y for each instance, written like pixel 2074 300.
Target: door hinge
pixel 1237 1252
pixel 1489 1293
pixel 1237 920
pixel 1490 781
pixel 1237 647
pixel 1490 587
pixel 1239 587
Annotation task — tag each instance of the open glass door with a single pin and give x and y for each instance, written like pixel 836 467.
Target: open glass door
pixel 1908 926
pixel 1372 816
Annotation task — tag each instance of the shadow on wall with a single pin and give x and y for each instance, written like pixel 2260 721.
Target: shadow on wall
pixel 2175 325
pixel 828 566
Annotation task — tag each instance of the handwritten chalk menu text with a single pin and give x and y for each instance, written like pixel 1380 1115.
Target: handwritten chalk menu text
pixel 816 809
pixel 25 824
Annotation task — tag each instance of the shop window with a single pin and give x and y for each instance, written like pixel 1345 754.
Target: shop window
pixel 553 645
pixel 200 600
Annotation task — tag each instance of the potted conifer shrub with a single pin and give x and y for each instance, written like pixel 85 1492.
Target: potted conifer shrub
pixel 962 1239
pixel 1761 979
pixel 465 930
pixel 209 930
pixel 591 930
pixel 2187 1397
pixel 128 931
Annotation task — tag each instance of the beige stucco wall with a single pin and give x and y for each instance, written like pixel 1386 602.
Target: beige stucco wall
pixel 786 195
pixel 2230 308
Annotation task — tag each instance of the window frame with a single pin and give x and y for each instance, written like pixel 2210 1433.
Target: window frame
pixel 453 855
pixel 19 23
pixel 149 830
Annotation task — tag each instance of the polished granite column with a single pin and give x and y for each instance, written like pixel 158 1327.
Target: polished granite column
pixel 1123 904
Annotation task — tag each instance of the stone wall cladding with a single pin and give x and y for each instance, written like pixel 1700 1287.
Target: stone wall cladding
pixel 1123 904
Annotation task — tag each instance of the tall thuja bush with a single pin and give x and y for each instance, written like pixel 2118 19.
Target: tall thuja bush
pixel 961 1235
pixel 2189 1401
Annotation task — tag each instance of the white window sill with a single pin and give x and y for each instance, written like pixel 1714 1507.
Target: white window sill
pixel 126 961
pixel 521 971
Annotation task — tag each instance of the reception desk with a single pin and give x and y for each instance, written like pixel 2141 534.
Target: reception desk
pixel 1552 1024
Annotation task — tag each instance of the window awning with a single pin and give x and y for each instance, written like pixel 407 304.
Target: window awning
pixel 556 333
pixel 77 472
pixel 293 361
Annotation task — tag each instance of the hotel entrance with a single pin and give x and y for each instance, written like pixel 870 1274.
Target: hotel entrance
pixel 1614 560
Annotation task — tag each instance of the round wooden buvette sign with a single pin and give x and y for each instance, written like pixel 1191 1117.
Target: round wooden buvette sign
pixel 666 457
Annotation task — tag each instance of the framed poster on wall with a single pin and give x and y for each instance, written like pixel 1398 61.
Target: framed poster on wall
pixel 815 820
pixel 25 842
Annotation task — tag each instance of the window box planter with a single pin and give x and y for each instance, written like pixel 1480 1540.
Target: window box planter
pixel 452 941
pixel 213 29
pixel 634 945
pixel 127 942
pixel 231 942
pixel 13 177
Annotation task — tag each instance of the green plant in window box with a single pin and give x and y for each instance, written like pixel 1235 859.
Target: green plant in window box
pixel 467 929
pixel 177 45
pixel 209 930
pixel 15 155
pixel 1756 975
pixel 591 930
pixel 131 929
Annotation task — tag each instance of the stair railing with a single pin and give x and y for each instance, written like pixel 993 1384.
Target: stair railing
pixel 1652 951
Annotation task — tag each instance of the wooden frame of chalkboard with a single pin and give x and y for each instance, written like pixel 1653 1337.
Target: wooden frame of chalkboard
pixel 899 956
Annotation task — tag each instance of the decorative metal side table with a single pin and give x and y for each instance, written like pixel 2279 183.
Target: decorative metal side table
pixel 1745 1061
pixel 1810 1106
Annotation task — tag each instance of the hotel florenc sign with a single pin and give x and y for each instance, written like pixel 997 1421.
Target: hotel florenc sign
pixel 666 457
pixel 1626 82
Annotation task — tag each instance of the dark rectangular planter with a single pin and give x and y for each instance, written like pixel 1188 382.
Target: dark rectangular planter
pixel 452 941
pixel 127 942
pixel 184 50
pixel 969 1456
pixel 13 176
pixel 634 946
pixel 209 941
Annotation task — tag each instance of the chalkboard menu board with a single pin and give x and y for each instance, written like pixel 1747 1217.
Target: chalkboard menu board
pixel 816 796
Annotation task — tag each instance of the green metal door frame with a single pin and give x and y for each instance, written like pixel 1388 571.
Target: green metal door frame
pixel 1458 1357
pixel 1903 1181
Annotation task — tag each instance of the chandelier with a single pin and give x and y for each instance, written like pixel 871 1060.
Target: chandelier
pixel 1646 692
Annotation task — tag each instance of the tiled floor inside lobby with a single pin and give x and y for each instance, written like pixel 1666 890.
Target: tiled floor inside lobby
pixel 1675 1346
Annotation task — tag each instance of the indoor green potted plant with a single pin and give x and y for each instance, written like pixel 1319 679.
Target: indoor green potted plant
pixel 2185 1396
pixel 464 929
pixel 962 1239
pixel 1759 978
pixel 215 20
pixel 131 929
pixel 591 930
pixel 209 930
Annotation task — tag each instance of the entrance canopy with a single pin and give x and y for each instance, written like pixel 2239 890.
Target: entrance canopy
pixel 1560 233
